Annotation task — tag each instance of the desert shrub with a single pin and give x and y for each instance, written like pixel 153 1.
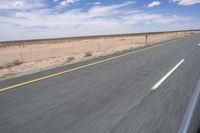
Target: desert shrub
pixel 9 65
pixel 17 62
pixel 88 54
pixel 39 60
pixel 70 58
pixel 14 63
pixel 1 67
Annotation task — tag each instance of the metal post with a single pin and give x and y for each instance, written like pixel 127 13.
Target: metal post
pixel 146 36
pixel 98 46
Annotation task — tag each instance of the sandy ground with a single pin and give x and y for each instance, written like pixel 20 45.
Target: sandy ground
pixel 39 55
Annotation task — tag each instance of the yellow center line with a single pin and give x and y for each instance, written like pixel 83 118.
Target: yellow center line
pixel 73 69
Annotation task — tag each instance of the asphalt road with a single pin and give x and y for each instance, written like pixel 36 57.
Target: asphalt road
pixel 143 92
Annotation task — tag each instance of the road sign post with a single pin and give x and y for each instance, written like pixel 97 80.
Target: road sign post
pixel 146 37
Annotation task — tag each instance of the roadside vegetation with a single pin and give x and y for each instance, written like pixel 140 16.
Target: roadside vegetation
pixel 88 54
pixel 1 67
pixel 71 58
pixel 12 64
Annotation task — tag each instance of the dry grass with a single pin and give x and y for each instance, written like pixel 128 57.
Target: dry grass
pixel 14 63
pixel 8 74
pixel 88 54
pixel 39 60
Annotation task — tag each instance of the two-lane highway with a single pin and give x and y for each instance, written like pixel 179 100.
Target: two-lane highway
pixel 143 91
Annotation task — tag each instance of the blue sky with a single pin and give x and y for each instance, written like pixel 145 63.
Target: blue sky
pixel 33 19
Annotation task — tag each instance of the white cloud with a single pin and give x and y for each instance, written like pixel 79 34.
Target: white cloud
pixel 153 4
pixel 186 2
pixel 20 15
pixel 106 10
pixel 68 2
pixel 97 3
pixel 113 19
pixel 12 5
pixel 147 18
pixel 20 4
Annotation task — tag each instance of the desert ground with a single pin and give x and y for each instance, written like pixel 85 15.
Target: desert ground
pixel 22 57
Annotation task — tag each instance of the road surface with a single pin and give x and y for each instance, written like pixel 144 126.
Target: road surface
pixel 145 91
